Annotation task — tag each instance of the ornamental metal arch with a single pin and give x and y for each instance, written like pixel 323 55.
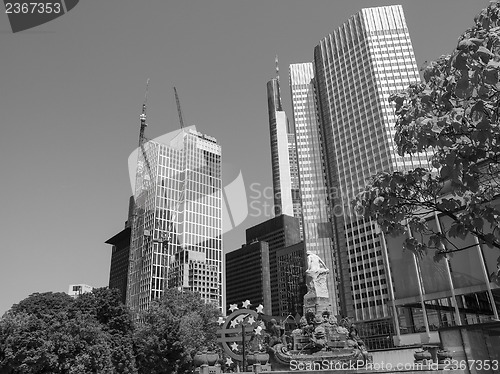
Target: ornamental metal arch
pixel 233 331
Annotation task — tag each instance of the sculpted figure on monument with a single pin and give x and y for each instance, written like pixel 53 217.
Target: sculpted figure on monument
pixel 316 275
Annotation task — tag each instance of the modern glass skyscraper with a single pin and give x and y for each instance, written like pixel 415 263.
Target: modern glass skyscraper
pixel 177 226
pixel 357 67
pixel 294 177
pixel 283 154
pixel 317 227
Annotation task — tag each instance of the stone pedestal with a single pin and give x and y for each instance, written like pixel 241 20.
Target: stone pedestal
pixel 316 304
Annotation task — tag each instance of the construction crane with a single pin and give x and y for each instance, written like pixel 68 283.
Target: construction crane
pixel 179 111
pixel 143 116
pixel 148 177
pixel 182 191
pixel 135 259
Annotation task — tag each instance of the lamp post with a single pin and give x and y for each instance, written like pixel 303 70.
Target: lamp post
pixel 243 351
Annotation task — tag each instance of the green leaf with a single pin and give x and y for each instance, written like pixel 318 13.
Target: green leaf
pixel 459 61
pixel 478 223
pixel 465 44
pixel 435 241
pixel 490 239
pixel 484 53
pixel 490 73
pixel 445 171
pixel 439 255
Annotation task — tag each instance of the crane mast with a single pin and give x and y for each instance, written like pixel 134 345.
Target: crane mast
pixel 143 116
pixel 179 111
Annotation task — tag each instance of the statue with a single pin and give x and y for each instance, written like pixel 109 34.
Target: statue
pixel 316 276
pixel 274 331
pixel 354 339
pixel 319 337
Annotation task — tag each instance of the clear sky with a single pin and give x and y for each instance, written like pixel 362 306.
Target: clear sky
pixel 71 93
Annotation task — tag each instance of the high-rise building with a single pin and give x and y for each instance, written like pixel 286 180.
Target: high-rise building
pixel 357 67
pixel 118 270
pixel 317 228
pixel 248 276
pixel 177 227
pixel 290 265
pixel 294 177
pixel 283 154
pixel 279 232
pixel 269 268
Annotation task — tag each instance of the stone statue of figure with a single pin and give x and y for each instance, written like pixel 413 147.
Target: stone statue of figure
pixel 316 275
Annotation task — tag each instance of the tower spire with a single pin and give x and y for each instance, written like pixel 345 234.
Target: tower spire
pixel 277 68
pixel 143 115
pixel 277 85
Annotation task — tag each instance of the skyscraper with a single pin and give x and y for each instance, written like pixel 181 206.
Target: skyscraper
pixel 248 275
pixel 119 267
pixel 176 236
pixel 317 227
pixel 290 264
pixel 357 67
pixel 279 232
pixel 283 154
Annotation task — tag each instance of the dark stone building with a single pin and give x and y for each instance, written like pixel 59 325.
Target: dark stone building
pixel 247 276
pixel 278 233
pixel 291 285
pixel 118 271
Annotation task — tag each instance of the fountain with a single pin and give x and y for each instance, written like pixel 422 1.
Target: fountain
pixel 320 341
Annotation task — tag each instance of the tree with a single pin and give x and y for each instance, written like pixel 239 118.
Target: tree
pixel 455 116
pixel 45 304
pixel 173 330
pixel 104 306
pixel 54 333
pixel 32 345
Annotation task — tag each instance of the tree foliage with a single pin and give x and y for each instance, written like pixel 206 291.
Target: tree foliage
pixel 29 344
pixel 104 306
pixel 53 333
pixel 173 330
pixel 96 333
pixel 46 304
pixel 454 117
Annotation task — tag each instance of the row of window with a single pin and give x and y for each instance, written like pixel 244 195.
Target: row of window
pixel 365 304
pixel 360 277
pixel 373 264
pixel 364 295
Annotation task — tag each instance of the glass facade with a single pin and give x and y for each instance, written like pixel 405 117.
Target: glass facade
pixel 458 290
pixel 177 230
pixel 283 156
pixel 290 266
pixel 357 67
pixel 280 162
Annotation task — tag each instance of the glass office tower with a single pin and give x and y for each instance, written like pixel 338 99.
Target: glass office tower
pixel 357 67
pixel 286 194
pixel 280 160
pixel 177 227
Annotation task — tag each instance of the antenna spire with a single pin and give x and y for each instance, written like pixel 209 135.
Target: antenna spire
pixel 277 68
